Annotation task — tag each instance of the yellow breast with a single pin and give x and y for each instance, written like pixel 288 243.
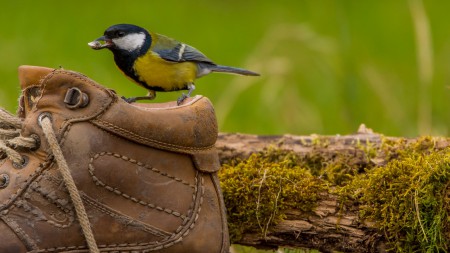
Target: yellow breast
pixel 166 75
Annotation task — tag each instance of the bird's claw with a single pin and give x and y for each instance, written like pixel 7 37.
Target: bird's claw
pixel 129 100
pixel 134 99
pixel 182 98
pixel 191 87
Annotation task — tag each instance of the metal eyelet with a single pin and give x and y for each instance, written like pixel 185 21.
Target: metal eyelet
pixel 4 180
pixel 24 163
pixel 42 116
pixel 37 140
pixel 75 98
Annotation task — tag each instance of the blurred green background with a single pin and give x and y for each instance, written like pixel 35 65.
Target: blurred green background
pixel 327 66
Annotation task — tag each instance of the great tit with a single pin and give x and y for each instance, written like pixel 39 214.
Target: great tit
pixel 157 62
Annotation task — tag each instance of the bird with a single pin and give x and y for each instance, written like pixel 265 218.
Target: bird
pixel 157 62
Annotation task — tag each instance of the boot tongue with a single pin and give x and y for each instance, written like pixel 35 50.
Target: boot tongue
pixel 31 75
pixel 29 78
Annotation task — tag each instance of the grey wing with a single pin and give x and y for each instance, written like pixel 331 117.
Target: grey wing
pixel 172 50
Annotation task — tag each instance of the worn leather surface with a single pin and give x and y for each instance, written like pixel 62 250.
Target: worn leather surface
pixel 146 173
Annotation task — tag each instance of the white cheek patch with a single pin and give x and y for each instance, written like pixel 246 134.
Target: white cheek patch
pixel 130 42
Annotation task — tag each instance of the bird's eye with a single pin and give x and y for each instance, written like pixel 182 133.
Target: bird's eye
pixel 120 34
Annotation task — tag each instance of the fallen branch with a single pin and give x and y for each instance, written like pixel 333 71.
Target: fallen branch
pixel 335 221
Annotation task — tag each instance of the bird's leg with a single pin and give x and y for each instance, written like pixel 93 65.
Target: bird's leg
pixel 191 88
pixel 150 96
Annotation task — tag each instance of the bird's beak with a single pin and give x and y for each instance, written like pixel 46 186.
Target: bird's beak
pixel 97 44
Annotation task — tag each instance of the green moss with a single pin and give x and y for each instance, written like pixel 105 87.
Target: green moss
pixel 258 190
pixel 401 185
pixel 408 198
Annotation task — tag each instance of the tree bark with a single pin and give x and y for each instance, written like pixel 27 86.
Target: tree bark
pixel 330 226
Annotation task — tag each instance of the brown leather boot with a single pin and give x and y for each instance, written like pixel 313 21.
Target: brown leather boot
pixel 145 174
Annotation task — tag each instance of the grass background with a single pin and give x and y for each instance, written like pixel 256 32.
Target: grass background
pixel 326 66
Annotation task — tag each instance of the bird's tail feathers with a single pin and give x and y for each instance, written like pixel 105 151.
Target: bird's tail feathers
pixel 226 69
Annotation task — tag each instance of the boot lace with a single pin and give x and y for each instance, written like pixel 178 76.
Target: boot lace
pixel 11 142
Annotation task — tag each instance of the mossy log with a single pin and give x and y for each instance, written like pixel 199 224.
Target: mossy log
pixel 349 199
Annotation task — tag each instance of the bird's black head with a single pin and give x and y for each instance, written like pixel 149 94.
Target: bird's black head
pixel 125 38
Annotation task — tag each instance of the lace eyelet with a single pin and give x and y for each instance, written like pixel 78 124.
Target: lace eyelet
pixel 24 163
pixel 75 98
pixel 42 116
pixel 4 180
pixel 37 140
